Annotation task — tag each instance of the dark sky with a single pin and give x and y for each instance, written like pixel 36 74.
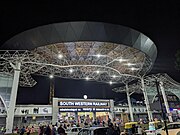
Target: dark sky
pixel 157 19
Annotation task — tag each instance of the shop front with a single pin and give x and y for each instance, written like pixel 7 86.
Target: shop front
pixel 81 110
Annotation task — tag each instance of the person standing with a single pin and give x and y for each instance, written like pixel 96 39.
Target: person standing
pixel 140 130
pixel 61 130
pixel 110 130
pixel 22 131
pixel 53 130
pixel 28 131
pixel 48 130
pixel 116 129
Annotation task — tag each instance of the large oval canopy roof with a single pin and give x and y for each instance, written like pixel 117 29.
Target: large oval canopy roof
pixel 92 50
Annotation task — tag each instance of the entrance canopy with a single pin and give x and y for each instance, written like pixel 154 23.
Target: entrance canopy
pixel 170 85
pixel 80 50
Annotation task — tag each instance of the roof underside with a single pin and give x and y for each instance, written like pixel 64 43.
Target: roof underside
pixel 89 50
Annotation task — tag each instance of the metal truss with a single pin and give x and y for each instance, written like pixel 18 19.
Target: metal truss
pixel 133 88
pixel 97 61
pixel 11 57
pixel 170 85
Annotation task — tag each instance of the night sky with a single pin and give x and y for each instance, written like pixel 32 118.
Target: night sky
pixel 157 19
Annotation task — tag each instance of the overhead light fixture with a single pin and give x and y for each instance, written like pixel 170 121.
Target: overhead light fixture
pixel 130 64
pixel 87 78
pixel 97 71
pixel 122 60
pixel 70 70
pixel 51 76
pixel 60 56
pixel 132 68
pixel 110 82
pixel 114 76
pixel 98 55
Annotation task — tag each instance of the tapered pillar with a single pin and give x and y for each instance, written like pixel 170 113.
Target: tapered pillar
pixel 129 103
pixel 165 101
pixel 11 107
pixel 146 100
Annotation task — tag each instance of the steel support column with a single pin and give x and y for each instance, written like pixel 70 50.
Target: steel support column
pixel 146 100
pixel 165 101
pixel 129 103
pixel 11 107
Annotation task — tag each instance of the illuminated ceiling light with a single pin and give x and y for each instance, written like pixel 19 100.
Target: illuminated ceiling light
pixel 110 82
pixel 130 64
pixel 71 70
pixel 114 76
pixel 87 78
pixel 60 56
pixel 132 68
pixel 51 76
pixel 122 60
pixel 97 71
pixel 98 55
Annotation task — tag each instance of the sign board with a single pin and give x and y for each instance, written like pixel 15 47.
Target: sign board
pixel 83 106
pixel 31 110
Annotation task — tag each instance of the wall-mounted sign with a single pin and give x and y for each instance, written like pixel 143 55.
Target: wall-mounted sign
pixel 84 109
pixel 82 103
pixel 30 110
pixel 83 106
pixel 126 109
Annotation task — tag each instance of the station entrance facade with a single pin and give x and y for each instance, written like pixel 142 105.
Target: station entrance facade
pixel 81 110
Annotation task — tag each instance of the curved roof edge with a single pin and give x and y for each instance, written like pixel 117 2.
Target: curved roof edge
pixel 82 31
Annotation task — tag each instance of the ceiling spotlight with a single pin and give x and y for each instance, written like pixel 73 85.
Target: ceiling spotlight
pixel 98 55
pixel 51 76
pixel 130 64
pixel 132 68
pixel 97 71
pixel 120 60
pixel 71 70
pixel 110 82
pixel 87 78
pixel 60 56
